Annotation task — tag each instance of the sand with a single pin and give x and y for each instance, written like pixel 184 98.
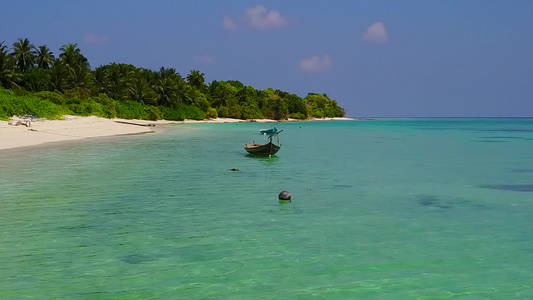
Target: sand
pixel 40 131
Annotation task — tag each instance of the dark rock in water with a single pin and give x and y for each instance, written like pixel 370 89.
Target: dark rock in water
pixel 234 169
pixel 445 206
pixel 510 187
pixel 428 200
pixel 136 259
pixel 284 196
pixel 342 186
pixel 491 141
pixel 433 202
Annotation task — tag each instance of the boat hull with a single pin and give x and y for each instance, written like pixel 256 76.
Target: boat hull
pixel 262 150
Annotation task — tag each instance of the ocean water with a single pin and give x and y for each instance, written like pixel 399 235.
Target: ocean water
pixel 381 209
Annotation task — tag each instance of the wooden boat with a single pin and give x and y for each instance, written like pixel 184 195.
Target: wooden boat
pixel 268 149
pixel 268 130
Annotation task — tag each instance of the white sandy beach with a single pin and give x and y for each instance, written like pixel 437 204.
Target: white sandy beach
pixel 42 131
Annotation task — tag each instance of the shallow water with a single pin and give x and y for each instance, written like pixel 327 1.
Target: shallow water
pixel 383 209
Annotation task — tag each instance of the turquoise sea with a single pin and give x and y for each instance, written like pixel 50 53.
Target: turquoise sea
pixel 381 209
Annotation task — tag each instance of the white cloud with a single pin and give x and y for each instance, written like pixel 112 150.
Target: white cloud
pixel 376 33
pixel 257 17
pixel 260 17
pixel 92 38
pixel 205 59
pixel 316 63
pixel 228 23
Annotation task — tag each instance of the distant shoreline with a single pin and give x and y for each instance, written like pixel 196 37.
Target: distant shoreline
pixel 40 131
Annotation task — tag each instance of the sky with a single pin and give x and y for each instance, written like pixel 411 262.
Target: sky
pixel 376 58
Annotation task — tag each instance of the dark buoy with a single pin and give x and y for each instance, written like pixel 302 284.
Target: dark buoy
pixel 284 196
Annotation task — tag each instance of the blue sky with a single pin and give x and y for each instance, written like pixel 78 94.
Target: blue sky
pixel 377 58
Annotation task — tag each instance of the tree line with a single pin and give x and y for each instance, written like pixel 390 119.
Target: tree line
pixel 34 81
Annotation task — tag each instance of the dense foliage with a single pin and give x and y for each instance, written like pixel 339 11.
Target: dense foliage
pixel 34 82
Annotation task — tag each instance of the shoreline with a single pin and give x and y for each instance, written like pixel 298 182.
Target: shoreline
pixel 41 131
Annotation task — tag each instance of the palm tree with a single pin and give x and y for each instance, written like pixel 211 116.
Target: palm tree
pixel 168 73
pixel 165 91
pixel 8 76
pixel 101 78
pixel 44 57
pixel 141 91
pixel 246 94
pixel 80 77
pixel 148 75
pixel 58 76
pixel 196 79
pixel 72 56
pixel 216 94
pixel 3 48
pixel 185 92
pixel 36 79
pixel 24 54
pixel 119 80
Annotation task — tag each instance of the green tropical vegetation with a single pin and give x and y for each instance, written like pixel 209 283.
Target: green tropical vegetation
pixel 35 82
